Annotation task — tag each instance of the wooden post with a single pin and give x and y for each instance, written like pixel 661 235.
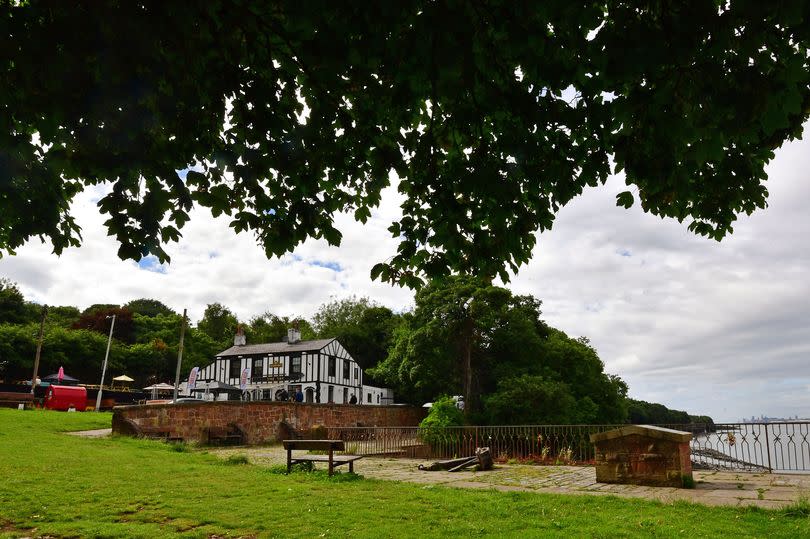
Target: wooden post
pixel 179 356
pixel 39 348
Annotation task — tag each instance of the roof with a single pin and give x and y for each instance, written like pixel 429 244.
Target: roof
pixel 275 347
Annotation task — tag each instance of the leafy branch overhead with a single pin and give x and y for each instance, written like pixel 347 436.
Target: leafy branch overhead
pixel 493 115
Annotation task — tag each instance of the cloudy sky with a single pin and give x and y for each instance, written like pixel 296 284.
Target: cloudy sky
pixel 717 328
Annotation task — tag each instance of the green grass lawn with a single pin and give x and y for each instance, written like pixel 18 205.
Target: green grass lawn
pixel 59 485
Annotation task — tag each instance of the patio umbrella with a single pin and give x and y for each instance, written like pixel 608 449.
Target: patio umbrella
pixel 154 388
pixel 123 378
pixel 54 379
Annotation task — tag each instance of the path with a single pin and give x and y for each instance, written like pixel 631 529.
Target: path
pixel 769 491
pixel 97 433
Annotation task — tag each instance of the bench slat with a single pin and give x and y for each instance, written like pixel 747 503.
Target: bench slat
pixel 342 459
pixel 314 445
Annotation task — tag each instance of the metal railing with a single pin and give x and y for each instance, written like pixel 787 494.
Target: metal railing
pixel 783 446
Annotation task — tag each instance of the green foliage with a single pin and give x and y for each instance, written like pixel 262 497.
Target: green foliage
pixel 271 328
pixel 363 327
pixel 219 323
pixel 532 400
pixel 13 308
pixel 493 123
pixel 148 307
pixel 643 412
pixel 798 509
pixel 521 370
pixel 443 413
pixel 65 316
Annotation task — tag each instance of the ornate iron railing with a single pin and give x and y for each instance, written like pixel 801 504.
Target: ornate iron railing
pixel 783 446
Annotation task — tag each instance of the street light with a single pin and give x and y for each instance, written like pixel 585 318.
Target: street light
pixel 104 367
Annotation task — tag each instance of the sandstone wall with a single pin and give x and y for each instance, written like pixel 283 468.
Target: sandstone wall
pixel 260 422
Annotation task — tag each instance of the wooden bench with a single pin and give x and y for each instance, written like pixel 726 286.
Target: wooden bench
pixel 319 445
pixel 232 434
pixel 11 399
pixel 159 433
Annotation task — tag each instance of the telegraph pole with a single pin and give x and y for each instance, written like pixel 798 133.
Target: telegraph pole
pixel 179 356
pixel 39 348
pixel 104 367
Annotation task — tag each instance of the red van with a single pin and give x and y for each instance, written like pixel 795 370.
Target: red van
pixel 66 397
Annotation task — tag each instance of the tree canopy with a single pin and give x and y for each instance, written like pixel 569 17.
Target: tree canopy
pixel 361 326
pixel 493 114
pixel 468 337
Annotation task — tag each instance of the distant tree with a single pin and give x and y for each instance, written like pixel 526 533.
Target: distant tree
pixel 269 327
pixel 96 307
pixel 365 328
pixel 13 307
pixel 98 318
pixel 219 323
pixel 532 399
pixel 641 412
pixel 446 343
pixel 147 307
pixel 63 316
pixel 467 336
pixel 17 346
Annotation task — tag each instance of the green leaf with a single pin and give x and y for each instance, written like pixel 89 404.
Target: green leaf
pixel 624 199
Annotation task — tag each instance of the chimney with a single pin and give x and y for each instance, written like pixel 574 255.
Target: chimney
pixel 293 334
pixel 239 338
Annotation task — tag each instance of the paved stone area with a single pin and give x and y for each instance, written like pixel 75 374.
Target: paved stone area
pixel 769 491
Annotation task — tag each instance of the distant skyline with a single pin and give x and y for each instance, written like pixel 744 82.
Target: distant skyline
pixel 715 328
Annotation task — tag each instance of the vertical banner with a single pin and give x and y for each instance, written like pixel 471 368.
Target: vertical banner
pixel 243 381
pixel 192 379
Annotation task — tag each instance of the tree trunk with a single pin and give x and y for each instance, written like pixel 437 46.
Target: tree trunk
pixel 468 337
pixel 484 458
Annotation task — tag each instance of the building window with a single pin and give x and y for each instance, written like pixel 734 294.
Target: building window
pixel 295 365
pixel 236 368
pixel 356 373
pixel 256 371
pixel 332 367
pixel 368 398
pixel 345 395
pixel 345 369
pixel 331 393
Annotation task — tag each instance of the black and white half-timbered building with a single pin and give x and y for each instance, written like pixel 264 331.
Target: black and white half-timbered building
pixel 322 369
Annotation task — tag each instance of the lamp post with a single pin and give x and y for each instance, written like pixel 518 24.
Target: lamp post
pixel 104 367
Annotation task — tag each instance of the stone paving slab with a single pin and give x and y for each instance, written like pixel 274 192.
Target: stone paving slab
pixel 769 491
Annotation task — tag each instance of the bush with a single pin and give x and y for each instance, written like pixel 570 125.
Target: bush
pixel 443 414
